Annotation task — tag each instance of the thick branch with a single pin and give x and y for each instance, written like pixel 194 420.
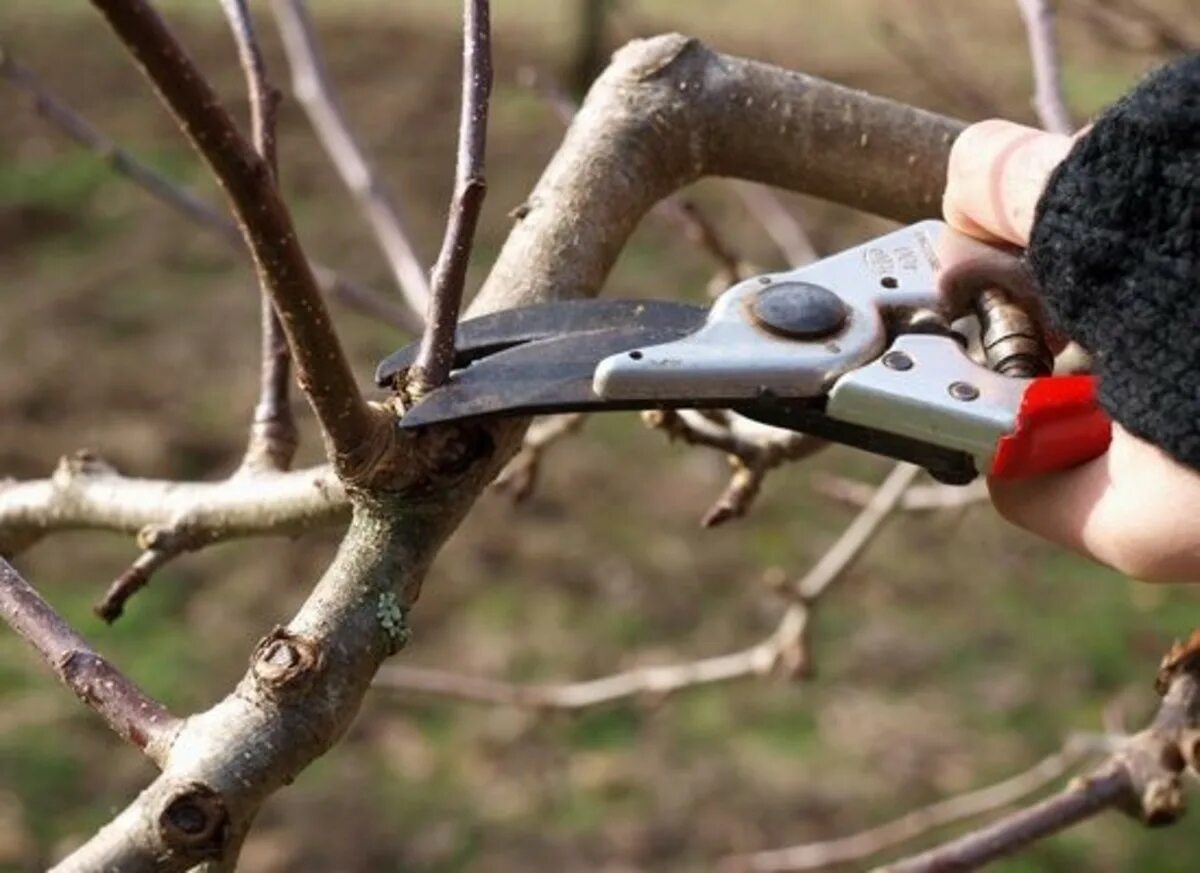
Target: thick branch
pixel 436 354
pixel 136 717
pixel 349 424
pixel 86 493
pixel 669 111
pixel 311 87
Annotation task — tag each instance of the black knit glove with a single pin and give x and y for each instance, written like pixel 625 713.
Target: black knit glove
pixel 1116 250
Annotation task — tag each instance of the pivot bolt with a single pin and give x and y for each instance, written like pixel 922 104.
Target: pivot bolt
pixel 897 361
pixel 799 310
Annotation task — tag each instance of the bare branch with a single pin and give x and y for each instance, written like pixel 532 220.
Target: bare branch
pixel 1143 777
pixel 312 88
pixel 520 476
pixel 918 498
pixel 273 435
pixel 136 717
pixel 933 63
pixel 786 642
pixel 877 840
pixel 860 532
pixel 86 493
pixel 436 354
pixel 754 450
pixel 1048 99
pixel 350 426
pixel 784 229
pixel 785 649
pixel 183 200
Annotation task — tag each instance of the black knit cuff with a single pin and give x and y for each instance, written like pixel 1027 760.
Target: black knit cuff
pixel 1116 249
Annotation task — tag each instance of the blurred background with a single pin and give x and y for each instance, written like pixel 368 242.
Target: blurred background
pixel 956 652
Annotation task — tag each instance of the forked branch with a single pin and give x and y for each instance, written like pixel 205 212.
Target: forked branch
pixel 350 426
pixel 273 435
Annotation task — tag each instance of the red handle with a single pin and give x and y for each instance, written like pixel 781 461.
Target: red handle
pixel 1060 425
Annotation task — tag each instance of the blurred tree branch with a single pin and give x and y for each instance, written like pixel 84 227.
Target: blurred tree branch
pixel 184 201
pixel 312 88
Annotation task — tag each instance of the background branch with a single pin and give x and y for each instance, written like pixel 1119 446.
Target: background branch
pixel 273 435
pixel 877 840
pixel 137 718
pixel 436 353
pixel 312 88
pixel 1143 777
pixel 1048 99
pixel 184 201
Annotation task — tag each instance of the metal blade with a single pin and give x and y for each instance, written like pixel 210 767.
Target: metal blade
pixel 553 375
pixel 489 334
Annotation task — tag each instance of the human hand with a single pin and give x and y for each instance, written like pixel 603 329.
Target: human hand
pixel 1135 508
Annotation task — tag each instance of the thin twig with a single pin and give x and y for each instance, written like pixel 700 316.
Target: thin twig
pixel 520 476
pixel 877 840
pixel 350 426
pixel 784 229
pixel 941 70
pixel 860 532
pixel 753 455
pixel 1048 99
pixel 160 545
pixel 784 650
pixel 136 717
pixel 273 435
pixel 1143 777
pixel 436 354
pixel 313 89
pixel 918 498
pixel 183 200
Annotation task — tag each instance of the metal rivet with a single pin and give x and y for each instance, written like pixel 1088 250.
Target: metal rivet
pixel 897 361
pixel 764 280
pixel 799 310
pixel 964 391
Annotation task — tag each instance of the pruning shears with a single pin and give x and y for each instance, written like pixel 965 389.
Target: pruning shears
pixel 867 348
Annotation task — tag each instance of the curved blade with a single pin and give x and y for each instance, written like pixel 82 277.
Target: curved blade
pixel 553 375
pixel 489 334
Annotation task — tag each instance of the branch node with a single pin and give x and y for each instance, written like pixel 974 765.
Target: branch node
pixel 195 822
pixel 285 662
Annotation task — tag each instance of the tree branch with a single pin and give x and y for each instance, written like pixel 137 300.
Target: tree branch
pixel 877 840
pixel 179 198
pixel 273 435
pixel 136 717
pixel 1048 99
pixel 312 88
pixel 350 426
pixel 639 136
pixel 1143 777
pixel 436 354
pixel 86 493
